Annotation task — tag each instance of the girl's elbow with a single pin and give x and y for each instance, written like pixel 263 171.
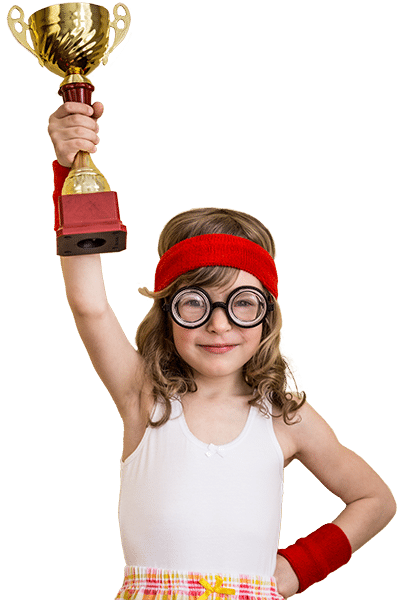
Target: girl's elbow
pixel 392 508
pixel 388 505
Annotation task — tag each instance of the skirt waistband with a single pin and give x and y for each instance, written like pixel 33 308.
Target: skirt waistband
pixel 141 583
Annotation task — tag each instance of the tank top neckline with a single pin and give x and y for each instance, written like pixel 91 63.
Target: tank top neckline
pixel 211 449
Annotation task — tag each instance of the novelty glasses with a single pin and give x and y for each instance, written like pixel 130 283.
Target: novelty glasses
pixel 246 306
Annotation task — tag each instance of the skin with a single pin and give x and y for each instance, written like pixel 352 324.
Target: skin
pixel 217 412
pixel 74 127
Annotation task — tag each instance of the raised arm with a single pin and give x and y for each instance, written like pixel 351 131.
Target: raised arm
pixel 116 362
pixel 74 127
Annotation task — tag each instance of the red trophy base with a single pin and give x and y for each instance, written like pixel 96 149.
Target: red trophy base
pixel 90 224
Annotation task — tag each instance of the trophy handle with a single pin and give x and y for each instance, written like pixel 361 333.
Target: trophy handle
pixel 120 33
pixel 20 36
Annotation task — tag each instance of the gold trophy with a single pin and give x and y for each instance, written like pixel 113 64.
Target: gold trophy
pixel 71 40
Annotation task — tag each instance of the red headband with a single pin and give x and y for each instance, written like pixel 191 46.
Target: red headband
pixel 217 249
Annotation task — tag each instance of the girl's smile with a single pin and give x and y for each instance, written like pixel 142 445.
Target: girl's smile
pixel 219 348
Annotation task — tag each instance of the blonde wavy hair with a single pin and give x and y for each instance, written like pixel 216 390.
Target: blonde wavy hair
pixel 266 372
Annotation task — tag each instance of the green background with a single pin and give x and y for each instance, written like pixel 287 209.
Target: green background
pixel 287 110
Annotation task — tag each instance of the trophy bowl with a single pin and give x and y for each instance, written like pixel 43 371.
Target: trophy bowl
pixel 70 38
pixel 70 35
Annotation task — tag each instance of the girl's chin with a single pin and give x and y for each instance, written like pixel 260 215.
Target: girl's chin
pixel 217 370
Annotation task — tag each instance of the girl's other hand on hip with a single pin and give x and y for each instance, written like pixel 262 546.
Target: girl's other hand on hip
pixel 286 579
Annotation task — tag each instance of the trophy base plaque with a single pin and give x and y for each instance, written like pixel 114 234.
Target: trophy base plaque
pixel 90 224
pixel 77 244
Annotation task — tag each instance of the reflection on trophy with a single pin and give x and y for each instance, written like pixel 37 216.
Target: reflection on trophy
pixel 71 40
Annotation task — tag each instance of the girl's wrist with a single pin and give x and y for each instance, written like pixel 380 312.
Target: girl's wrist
pixel 312 558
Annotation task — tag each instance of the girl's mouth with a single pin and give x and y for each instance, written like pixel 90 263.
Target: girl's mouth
pixel 219 348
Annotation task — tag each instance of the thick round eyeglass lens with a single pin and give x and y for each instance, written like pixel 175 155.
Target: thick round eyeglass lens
pixel 191 307
pixel 248 306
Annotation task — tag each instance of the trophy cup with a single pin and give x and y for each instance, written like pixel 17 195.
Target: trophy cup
pixel 71 40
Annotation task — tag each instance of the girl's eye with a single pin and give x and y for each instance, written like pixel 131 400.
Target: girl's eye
pixel 191 307
pixel 244 303
pixel 247 306
pixel 244 300
pixel 192 303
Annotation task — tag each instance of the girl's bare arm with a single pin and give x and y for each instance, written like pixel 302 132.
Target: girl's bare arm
pixel 369 502
pixel 74 127
pixel 117 363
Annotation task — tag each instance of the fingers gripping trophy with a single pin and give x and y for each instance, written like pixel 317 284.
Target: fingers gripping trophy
pixel 71 40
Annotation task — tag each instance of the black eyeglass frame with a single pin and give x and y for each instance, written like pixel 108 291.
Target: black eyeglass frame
pixel 170 306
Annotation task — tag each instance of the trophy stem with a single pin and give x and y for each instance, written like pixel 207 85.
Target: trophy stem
pixel 79 91
pixel 84 177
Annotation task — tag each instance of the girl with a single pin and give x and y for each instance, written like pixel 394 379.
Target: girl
pixel 208 422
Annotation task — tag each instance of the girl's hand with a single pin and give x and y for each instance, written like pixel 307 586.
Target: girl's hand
pixel 286 578
pixel 74 127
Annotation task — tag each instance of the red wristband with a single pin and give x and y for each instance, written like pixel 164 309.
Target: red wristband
pixel 60 175
pixel 314 557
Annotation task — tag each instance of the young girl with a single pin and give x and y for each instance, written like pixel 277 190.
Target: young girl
pixel 208 422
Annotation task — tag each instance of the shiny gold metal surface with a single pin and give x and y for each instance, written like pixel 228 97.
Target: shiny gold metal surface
pixel 84 177
pixel 119 30
pixel 70 38
pixel 15 23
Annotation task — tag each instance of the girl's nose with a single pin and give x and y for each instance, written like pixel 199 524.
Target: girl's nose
pixel 219 321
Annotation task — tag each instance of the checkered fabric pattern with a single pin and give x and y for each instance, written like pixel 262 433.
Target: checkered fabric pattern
pixel 158 584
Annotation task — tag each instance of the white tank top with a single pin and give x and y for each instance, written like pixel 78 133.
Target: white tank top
pixel 190 506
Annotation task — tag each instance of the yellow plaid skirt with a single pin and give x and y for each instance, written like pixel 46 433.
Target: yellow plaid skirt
pixel 141 583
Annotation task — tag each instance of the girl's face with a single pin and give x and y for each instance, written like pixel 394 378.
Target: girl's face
pixel 219 348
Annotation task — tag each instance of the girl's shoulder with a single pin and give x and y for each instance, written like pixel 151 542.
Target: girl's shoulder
pixel 306 432
pixel 313 442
